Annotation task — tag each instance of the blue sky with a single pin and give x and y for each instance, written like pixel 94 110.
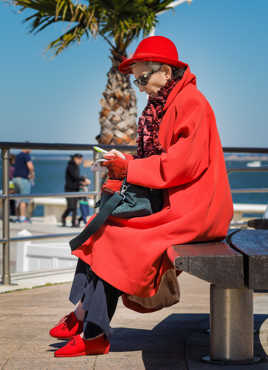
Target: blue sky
pixel 57 100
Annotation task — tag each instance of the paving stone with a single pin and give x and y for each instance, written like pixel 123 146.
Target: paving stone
pixel 170 339
pixel 120 361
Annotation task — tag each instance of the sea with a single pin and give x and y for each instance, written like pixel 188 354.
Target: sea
pixel 50 172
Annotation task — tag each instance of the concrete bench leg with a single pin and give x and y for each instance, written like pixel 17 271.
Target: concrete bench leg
pixel 231 326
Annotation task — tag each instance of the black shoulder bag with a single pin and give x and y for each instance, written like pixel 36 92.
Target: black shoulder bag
pixel 131 201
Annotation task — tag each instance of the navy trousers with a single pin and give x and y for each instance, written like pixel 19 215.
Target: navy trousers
pixel 99 300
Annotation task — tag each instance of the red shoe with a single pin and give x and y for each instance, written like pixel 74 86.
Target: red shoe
pixel 78 346
pixel 67 327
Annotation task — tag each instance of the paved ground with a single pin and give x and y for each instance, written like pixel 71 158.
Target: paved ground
pixel 171 339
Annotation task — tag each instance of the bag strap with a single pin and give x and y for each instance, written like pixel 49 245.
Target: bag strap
pixel 97 221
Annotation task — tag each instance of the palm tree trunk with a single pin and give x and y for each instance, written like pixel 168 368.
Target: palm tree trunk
pixel 119 110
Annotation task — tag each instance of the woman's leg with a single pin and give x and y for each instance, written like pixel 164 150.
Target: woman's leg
pixel 97 301
pixel 97 298
pixel 80 312
pixel 99 304
pixel 72 324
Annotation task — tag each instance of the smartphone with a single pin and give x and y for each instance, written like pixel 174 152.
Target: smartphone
pixel 100 150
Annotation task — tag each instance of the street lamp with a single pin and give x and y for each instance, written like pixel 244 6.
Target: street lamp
pixel 171 5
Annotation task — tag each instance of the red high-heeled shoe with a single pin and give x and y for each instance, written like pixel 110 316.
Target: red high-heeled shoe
pixel 67 327
pixel 78 346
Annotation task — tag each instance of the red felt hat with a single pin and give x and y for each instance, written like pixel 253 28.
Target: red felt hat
pixel 156 49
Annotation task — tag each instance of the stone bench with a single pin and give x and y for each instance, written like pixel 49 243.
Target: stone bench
pixel 235 268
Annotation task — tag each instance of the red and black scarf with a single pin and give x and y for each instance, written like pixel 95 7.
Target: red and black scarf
pixel 149 122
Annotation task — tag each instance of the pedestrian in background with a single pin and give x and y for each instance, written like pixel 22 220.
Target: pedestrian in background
pixel 23 178
pixel 11 186
pixel 72 184
pixel 83 202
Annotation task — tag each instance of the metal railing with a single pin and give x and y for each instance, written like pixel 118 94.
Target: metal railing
pixel 5 197
pixel 247 170
pixel 5 151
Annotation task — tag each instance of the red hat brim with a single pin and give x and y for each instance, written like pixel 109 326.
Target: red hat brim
pixel 125 66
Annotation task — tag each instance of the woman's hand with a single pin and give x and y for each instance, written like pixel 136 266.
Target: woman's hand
pixel 117 167
pixel 112 154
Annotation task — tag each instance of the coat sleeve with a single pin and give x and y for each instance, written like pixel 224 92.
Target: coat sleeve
pixel 186 159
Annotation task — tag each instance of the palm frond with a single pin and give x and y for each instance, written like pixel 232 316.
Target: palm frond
pixel 117 21
pixel 72 36
pixel 48 12
pixel 125 20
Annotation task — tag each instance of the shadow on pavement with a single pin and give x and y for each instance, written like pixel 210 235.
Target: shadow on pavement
pixel 165 346
pixel 178 340
pixel 57 345
pixel 176 343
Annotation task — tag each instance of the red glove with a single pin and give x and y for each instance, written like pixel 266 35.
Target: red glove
pixel 111 186
pixel 117 168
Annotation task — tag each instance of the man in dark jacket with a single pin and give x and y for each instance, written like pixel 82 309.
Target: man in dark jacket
pixel 72 183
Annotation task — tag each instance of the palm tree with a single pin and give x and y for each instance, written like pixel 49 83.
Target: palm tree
pixel 119 22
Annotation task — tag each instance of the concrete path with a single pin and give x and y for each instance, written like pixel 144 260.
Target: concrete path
pixel 170 339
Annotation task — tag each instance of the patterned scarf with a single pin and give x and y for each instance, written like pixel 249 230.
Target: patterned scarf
pixel 149 122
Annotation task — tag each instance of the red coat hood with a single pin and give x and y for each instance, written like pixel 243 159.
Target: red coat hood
pixel 188 78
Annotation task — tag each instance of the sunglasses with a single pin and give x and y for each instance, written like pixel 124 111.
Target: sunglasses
pixel 143 79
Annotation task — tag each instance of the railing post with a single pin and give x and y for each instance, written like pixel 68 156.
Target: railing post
pixel 5 206
pixel 97 179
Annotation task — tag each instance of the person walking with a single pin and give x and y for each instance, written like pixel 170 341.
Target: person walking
pixel 83 202
pixel 72 184
pixel 179 153
pixel 23 178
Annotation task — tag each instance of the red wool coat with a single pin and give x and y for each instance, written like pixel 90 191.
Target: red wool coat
pixel 130 253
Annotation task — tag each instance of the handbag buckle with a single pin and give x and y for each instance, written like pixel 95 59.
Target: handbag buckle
pixel 123 191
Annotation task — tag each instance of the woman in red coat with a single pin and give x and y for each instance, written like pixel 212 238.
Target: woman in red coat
pixel 179 152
